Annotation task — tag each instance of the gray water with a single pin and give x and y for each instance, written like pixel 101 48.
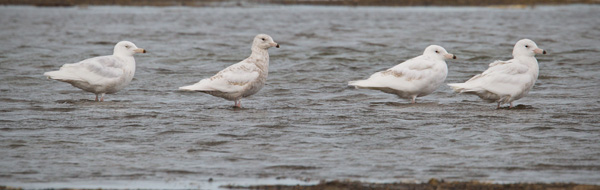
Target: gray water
pixel 305 125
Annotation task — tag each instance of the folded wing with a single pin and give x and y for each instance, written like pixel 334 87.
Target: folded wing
pixel 234 78
pixel 94 71
pixel 502 77
pixel 407 76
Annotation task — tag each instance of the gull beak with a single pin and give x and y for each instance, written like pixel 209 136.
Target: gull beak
pixel 450 56
pixel 140 50
pixel 539 51
pixel 273 44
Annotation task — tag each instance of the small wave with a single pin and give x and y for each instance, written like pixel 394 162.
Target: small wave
pixel 26 172
pixel 101 43
pixel 172 171
pixel 191 34
pixel 15 146
pixel 518 107
pixel 336 50
pixel 14 100
pixel 80 101
pixel 163 71
pixel 64 142
pixel 135 116
pixel 481 58
pixel 276 126
pixel 538 128
pixel 39 108
pixel 292 167
pixel 211 143
pixel 170 132
pixel 578 51
pixel 374 44
pixel 195 150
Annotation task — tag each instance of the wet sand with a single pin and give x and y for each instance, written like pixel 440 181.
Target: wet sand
pixel 432 184
pixel 201 3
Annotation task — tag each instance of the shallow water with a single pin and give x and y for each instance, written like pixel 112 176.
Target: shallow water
pixel 305 124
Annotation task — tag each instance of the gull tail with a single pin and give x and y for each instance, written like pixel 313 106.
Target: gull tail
pixel 61 75
pixel 199 86
pixel 463 87
pixel 188 88
pixel 360 84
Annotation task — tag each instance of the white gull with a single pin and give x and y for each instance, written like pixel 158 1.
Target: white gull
pixel 101 75
pixel 506 81
pixel 413 78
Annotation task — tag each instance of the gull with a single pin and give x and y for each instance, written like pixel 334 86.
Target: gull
pixel 413 78
pixel 242 79
pixel 101 75
pixel 506 81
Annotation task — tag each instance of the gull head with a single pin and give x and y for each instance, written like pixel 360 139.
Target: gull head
pixel 127 48
pixel 527 47
pixel 264 41
pixel 439 52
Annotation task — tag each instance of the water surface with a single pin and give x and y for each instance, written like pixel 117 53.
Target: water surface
pixel 305 124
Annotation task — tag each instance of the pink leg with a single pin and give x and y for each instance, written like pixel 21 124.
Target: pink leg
pixel 511 106
pixel 498 107
pixel 96 98
pixel 414 99
pixel 238 103
pixel 102 97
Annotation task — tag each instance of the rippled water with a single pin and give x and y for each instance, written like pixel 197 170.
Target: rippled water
pixel 305 124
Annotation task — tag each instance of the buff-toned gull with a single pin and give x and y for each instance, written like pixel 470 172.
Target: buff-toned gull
pixel 242 79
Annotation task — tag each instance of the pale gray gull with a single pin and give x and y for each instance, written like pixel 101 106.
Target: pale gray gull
pixel 101 75
pixel 413 78
pixel 506 81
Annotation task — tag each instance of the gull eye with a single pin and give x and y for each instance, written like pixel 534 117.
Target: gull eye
pixel 263 39
pixel 436 51
pixel 526 46
pixel 127 46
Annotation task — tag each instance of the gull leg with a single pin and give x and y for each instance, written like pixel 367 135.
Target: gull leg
pixel 96 98
pixel 498 107
pixel 102 97
pixel 238 103
pixel 511 106
pixel 414 99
